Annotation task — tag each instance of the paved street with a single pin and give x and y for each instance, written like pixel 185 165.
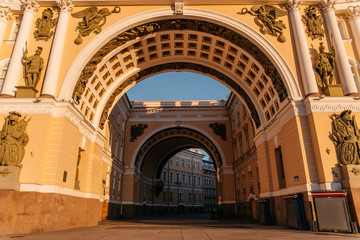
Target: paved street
pixel 199 227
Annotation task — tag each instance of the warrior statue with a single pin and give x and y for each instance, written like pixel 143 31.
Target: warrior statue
pixel 13 140
pixel 346 138
pixel 32 67
pixel 324 67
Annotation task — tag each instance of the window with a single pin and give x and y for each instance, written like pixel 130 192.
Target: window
pixel 243 183
pixel 177 178
pixel 183 163
pixel 189 179
pixel 3 71
pixel 193 165
pixel 251 182
pixel 183 179
pixel 171 177
pixel 246 133
pixel 194 197
pixel 241 147
pixel 118 119
pixel 280 167
pixel 194 182
pixel 171 196
pixel 14 29
pixel 199 166
pixel 177 162
pixel 189 164
pixel 199 180
pixel 190 197
pixel 200 197
pixel 238 118
pixel 164 196
pixel 171 161
pixel 164 177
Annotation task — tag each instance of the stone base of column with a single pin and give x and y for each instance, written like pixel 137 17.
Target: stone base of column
pixel 335 90
pixel 353 95
pixel 6 96
pixel 26 92
pixel 9 179
pixel 47 96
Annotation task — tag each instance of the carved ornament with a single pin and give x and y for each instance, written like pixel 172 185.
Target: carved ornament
pixel 136 131
pixel 13 140
pixel 353 12
pixel 65 5
pixel 5 172
pixel 30 5
pixel 44 25
pixel 179 7
pixel 346 137
pixel 5 14
pixel 33 66
pixel 314 23
pixel 93 19
pixel 219 129
pixel 266 18
pixel 181 24
pixel 356 171
pixel 324 67
pixel 112 98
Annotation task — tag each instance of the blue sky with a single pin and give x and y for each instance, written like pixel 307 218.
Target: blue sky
pixel 178 86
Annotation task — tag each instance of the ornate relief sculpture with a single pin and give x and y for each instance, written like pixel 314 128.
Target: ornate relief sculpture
pixel 219 129
pixel 111 100
pixel 13 140
pixel 324 67
pixel 346 138
pixel 92 21
pixel 44 25
pixel 32 67
pixel 136 131
pixel 265 18
pixel 313 23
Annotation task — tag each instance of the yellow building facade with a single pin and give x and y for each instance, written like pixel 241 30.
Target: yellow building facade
pixel 284 144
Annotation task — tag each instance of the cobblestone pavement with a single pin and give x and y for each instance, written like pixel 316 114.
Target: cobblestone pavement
pixel 199 227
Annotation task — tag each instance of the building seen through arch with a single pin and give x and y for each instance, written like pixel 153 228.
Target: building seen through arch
pixel 285 144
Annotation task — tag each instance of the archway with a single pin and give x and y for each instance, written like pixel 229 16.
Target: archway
pixel 203 42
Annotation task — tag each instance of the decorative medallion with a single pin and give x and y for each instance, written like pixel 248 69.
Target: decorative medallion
pixel 136 131
pixel 93 20
pixel 219 129
pixel 44 25
pixel 314 23
pixel 265 18
pixel 346 137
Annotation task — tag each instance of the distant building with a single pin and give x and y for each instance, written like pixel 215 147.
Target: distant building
pixel 209 176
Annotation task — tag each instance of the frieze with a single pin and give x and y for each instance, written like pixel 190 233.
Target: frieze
pixel 180 24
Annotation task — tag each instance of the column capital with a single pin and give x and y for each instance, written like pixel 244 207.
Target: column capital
pixel 327 5
pixel 353 12
pixel 30 5
pixel 65 5
pixel 5 14
pixel 293 5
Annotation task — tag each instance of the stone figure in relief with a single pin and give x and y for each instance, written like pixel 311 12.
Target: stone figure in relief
pixel 346 137
pixel 13 140
pixel 32 67
pixel 324 67
pixel 313 23
pixel 44 25
pixel 265 18
pixel 92 21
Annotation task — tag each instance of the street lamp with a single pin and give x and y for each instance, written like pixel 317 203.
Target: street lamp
pixel 178 183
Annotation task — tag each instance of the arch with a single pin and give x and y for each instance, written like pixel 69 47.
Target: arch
pixel 167 143
pixel 90 57
pixel 172 126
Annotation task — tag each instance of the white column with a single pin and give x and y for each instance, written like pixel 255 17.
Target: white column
pixel 5 16
pixel 341 59
pixel 353 14
pixel 54 63
pixel 15 64
pixel 303 55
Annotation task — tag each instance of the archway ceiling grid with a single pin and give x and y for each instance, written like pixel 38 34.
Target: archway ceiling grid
pixel 168 46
